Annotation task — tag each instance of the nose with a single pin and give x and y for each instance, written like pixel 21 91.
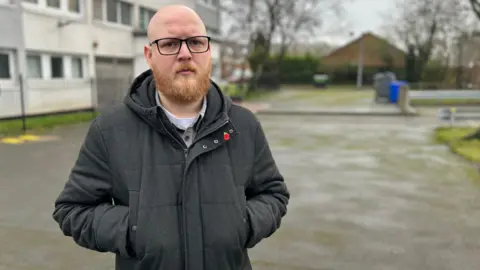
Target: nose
pixel 184 53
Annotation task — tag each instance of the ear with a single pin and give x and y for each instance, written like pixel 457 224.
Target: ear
pixel 148 55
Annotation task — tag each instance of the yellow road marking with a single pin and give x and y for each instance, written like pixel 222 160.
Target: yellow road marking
pixel 29 138
pixel 11 141
pixel 25 138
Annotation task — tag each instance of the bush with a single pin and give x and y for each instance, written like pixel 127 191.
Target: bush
pixel 348 74
pixel 291 70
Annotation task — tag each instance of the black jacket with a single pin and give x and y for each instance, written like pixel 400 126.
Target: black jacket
pixel 136 190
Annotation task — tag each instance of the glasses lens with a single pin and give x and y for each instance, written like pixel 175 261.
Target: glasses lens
pixel 168 46
pixel 198 44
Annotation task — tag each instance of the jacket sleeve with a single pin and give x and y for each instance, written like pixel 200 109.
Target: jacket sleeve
pixel 84 208
pixel 267 194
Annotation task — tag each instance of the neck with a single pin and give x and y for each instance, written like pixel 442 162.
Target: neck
pixel 184 110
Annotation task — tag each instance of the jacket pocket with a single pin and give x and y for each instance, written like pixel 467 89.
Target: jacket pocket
pixel 133 197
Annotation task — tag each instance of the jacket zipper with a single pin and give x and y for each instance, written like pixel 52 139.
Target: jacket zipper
pixel 183 191
pixel 184 223
pixel 186 151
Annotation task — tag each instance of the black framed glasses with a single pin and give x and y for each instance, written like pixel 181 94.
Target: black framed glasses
pixel 171 46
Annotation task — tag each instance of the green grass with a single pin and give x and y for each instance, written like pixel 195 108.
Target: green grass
pixel 42 123
pixel 328 97
pixel 259 95
pixel 336 95
pixel 444 102
pixel 336 87
pixel 453 137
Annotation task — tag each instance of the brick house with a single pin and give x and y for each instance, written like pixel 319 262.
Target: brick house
pixel 378 52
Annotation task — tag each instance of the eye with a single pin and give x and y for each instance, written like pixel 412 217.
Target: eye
pixel 168 43
pixel 197 42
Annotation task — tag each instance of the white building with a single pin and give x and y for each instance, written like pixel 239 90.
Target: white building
pixel 78 54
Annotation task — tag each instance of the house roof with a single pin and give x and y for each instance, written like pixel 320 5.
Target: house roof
pixel 375 48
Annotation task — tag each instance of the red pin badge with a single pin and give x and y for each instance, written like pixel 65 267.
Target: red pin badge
pixel 226 136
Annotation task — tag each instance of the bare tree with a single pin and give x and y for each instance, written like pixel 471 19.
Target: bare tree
pixel 426 26
pixel 475 5
pixel 262 23
pixel 303 21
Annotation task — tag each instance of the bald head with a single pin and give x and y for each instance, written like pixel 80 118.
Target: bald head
pixel 175 20
pixel 182 71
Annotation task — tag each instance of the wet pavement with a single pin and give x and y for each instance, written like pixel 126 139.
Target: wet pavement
pixel 367 193
pixel 31 177
pixel 371 193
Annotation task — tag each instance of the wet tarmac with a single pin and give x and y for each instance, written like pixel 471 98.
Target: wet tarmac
pixel 366 194
pixel 371 193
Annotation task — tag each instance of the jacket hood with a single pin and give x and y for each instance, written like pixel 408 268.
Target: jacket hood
pixel 141 100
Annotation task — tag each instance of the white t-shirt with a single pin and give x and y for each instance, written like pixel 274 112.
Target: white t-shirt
pixel 182 123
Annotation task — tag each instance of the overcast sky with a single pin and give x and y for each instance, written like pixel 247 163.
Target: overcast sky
pixel 362 16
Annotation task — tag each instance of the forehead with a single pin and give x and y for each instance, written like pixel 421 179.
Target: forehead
pixel 179 27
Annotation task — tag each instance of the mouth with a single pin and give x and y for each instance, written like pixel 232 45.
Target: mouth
pixel 185 71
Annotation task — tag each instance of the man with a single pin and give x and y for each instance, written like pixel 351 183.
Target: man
pixel 177 177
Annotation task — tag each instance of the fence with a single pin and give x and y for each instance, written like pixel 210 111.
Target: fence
pixel 23 99
pixel 445 94
pixel 452 115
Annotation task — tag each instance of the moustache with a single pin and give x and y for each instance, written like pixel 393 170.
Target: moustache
pixel 186 67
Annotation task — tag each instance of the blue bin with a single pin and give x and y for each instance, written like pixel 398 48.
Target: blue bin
pixel 395 90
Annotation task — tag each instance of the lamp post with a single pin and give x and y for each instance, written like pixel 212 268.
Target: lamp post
pixel 360 64
pixel 360 60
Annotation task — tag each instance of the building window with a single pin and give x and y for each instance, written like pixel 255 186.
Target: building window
pixel 126 13
pixel 117 11
pixel 145 17
pixel 7 2
pixel 74 6
pixel 53 3
pixel 5 67
pixel 56 66
pixel 34 66
pixel 98 9
pixel 46 66
pixel 112 10
pixel 70 6
pixel 77 67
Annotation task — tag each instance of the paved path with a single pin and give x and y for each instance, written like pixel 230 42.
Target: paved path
pixel 367 194
pixel 324 102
